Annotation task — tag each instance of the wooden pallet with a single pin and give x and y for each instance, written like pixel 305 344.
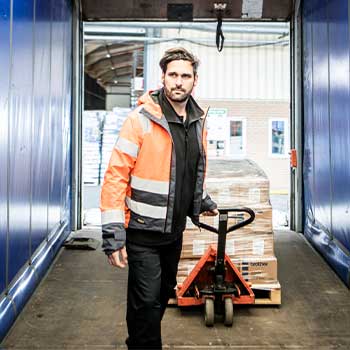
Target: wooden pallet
pixel 267 294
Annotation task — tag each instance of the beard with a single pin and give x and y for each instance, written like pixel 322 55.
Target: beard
pixel 175 97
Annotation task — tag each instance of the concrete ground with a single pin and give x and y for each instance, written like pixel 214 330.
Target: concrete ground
pixel 81 305
pixel 280 210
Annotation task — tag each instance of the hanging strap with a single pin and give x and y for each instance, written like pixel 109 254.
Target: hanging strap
pixel 219 35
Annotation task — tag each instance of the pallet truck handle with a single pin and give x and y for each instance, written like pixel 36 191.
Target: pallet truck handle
pixel 244 222
pixel 207 227
pixel 234 227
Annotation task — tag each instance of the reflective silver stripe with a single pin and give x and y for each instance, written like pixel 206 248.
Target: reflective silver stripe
pixel 143 209
pixel 109 216
pixel 127 147
pixel 205 193
pixel 145 123
pixel 160 187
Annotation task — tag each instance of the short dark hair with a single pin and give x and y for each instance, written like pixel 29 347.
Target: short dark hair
pixel 178 53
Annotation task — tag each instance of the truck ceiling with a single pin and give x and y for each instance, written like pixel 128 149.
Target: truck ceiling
pixel 197 10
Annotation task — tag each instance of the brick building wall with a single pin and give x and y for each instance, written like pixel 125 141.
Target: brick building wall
pixel 257 115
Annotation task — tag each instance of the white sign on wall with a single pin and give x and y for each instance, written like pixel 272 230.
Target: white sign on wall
pixel 217 124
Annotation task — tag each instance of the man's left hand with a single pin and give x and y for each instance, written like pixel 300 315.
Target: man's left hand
pixel 213 212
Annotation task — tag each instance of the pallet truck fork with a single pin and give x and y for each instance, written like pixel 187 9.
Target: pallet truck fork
pixel 215 281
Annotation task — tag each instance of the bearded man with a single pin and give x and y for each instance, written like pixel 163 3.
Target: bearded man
pixel 155 179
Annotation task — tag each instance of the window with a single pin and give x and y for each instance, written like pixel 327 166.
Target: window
pixel 236 128
pixel 237 142
pixel 278 137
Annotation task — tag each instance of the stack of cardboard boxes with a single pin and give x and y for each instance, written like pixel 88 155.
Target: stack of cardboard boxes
pixel 101 130
pixel 236 184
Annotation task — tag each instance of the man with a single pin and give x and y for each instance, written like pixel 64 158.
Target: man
pixel 155 179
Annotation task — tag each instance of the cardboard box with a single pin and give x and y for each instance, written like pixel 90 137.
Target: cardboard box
pixel 196 243
pixel 262 270
pixel 258 270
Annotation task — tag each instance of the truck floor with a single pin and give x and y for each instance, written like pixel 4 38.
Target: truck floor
pixel 81 304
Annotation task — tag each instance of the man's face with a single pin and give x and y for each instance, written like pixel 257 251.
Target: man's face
pixel 179 80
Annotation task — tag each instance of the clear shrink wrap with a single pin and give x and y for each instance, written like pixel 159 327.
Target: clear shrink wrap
pixel 237 183
pixel 234 184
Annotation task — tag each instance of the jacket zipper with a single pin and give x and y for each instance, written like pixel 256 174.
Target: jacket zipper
pixel 203 148
pixel 171 161
pixel 186 142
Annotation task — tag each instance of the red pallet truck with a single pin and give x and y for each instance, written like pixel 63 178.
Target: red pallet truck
pixel 215 281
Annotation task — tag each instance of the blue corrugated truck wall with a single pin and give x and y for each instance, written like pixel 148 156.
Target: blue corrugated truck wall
pixel 326 165
pixel 35 115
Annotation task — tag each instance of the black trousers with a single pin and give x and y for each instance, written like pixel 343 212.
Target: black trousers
pixel 151 282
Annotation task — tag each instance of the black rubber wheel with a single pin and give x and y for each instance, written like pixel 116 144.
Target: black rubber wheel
pixel 209 312
pixel 228 312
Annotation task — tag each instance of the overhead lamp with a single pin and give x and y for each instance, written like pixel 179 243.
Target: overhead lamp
pixel 111 28
pixel 115 81
pixel 108 55
pixel 112 68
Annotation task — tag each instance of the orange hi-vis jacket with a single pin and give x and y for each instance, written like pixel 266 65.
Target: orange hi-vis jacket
pixel 139 184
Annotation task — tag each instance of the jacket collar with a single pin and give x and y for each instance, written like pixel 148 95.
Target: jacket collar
pixel 151 102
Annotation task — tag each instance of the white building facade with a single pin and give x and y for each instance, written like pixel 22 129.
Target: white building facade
pixel 247 90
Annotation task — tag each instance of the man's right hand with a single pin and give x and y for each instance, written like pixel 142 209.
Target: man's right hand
pixel 119 258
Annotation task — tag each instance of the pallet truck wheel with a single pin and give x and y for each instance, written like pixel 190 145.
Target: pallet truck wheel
pixel 228 312
pixel 209 312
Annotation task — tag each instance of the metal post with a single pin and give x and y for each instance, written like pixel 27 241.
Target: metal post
pixel 296 195
pixel 77 103
pixel 133 95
